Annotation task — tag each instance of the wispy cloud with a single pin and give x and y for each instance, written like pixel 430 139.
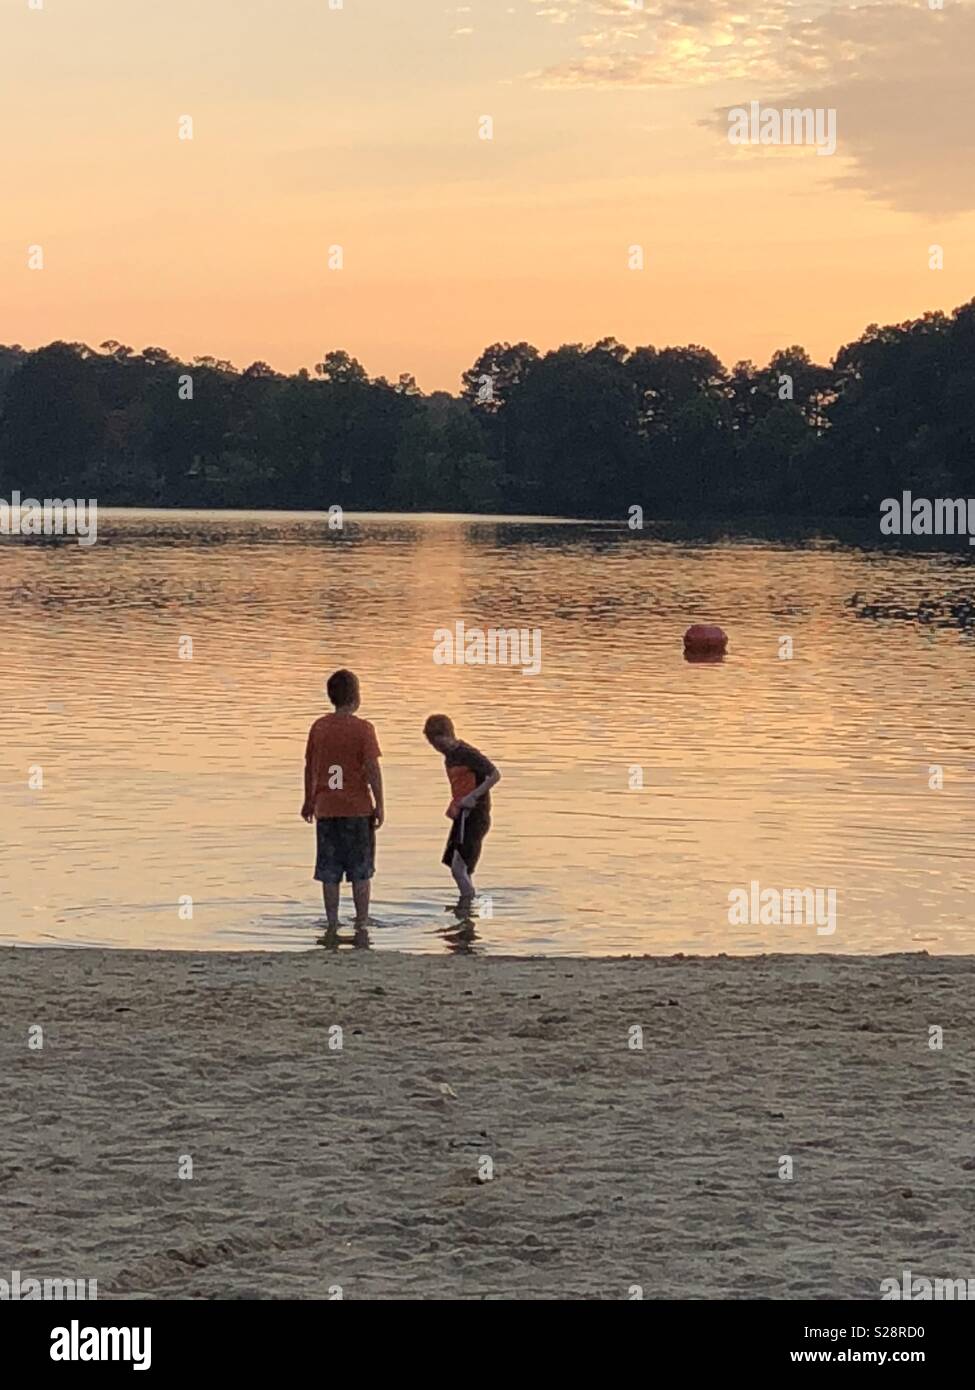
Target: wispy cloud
pixel 685 44
pixel 899 76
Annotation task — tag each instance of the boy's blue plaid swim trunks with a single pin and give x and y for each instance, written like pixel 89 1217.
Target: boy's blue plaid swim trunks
pixel 346 846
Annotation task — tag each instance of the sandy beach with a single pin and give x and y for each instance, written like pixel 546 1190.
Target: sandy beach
pixel 365 1168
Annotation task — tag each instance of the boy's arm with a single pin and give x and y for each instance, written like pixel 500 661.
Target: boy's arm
pixel 308 805
pixel 374 776
pixel 472 798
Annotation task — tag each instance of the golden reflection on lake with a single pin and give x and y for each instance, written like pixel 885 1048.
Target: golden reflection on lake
pixel 167 780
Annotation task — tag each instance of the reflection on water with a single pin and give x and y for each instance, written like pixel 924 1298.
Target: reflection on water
pixel 169 811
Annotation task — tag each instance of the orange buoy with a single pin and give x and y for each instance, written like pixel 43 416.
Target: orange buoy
pixel 705 642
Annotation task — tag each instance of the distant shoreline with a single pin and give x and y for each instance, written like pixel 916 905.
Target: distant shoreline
pixel 580 429
pixel 862 531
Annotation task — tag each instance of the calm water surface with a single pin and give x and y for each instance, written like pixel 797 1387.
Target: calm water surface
pixel 166 778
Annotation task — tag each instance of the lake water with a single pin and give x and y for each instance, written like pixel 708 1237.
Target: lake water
pixel 166 779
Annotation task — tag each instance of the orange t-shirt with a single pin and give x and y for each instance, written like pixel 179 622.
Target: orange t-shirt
pixel 339 746
pixel 467 768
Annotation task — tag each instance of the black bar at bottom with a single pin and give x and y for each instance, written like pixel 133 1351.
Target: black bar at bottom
pixel 66 1338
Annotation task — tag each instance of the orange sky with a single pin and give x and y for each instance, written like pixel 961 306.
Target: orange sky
pixel 358 126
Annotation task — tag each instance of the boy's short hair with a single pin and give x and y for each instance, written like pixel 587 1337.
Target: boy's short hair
pixel 342 687
pixel 438 724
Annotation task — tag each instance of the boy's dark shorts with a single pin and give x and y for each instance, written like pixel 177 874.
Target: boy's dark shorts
pixel 467 838
pixel 346 846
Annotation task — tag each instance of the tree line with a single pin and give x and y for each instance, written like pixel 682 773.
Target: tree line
pixel 583 430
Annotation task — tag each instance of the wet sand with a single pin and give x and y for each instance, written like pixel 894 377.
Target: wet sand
pixel 368 1168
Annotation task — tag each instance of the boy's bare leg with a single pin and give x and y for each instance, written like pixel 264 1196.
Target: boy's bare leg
pixel 465 884
pixel 330 892
pixel 360 896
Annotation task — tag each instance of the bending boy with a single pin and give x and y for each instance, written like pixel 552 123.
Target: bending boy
pixel 471 776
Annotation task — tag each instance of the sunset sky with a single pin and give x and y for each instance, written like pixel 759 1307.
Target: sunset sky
pixel 358 126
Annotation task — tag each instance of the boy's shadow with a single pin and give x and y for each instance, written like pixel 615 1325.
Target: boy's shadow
pixel 460 938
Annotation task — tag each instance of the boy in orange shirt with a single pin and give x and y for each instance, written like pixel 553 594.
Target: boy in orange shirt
pixel 344 795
